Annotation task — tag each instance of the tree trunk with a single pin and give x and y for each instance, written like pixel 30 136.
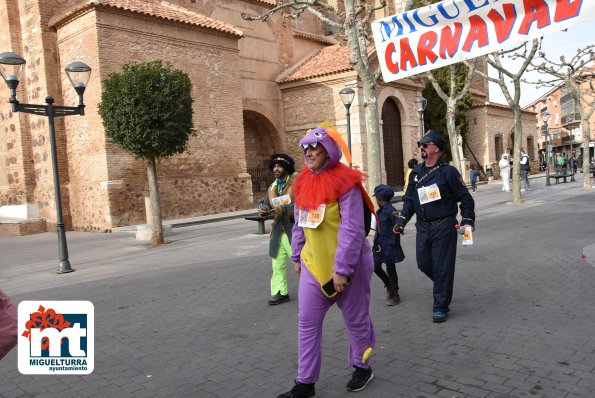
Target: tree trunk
pixel 516 166
pixel 452 134
pixel 586 164
pixel 586 131
pixel 157 231
pixel 372 135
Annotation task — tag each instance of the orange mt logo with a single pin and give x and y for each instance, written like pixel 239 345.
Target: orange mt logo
pixel 41 320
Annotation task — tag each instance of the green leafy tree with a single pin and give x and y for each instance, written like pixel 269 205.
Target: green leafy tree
pixel 147 110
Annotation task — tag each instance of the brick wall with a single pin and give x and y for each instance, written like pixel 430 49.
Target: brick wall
pixel 16 158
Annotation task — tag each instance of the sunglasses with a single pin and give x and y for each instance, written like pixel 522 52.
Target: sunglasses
pixel 312 145
pixel 425 145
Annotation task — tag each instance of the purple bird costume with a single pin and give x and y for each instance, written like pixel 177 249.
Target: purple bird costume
pixel 339 239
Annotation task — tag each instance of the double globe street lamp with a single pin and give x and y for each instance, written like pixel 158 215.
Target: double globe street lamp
pixel 11 68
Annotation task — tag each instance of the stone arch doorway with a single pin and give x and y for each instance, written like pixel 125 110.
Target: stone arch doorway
pixel 261 141
pixel 393 144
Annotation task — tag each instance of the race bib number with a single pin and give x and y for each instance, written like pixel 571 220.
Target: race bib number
pixel 428 194
pixel 311 218
pixel 281 200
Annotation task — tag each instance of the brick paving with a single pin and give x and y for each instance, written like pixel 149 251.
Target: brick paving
pixel 189 319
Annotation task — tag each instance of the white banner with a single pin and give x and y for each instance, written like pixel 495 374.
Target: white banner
pixel 455 30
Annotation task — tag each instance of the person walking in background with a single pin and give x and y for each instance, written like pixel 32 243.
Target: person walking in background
pixel 525 169
pixel 279 203
pixel 473 178
pixel 504 165
pixel 387 246
pixel 332 257
pixel 572 163
pixel 433 192
pixel 410 165
pixel 561 162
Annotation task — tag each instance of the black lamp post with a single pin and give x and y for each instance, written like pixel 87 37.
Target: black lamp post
pixel 347 95
pixel 545 117
pixel 11 68
pixel 420 106
pixel 571 136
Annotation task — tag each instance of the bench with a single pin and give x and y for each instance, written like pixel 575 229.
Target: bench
pixel 260 221
pixel 558 176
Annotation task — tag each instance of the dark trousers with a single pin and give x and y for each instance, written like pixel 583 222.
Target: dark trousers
pixel 436 250
pixel 390 278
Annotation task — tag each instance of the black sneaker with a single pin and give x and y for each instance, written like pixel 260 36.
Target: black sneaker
pixel 300 390
pixel 278 298
pixel 360 379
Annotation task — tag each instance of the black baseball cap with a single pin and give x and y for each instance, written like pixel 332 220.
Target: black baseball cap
pixel 432 136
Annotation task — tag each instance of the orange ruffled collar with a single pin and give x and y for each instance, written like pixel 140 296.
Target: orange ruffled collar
pixel 311 190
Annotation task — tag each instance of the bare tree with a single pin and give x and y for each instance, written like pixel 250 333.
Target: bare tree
pixel 354 24
pixel 513 100
pixel 451 101
pixel 577 74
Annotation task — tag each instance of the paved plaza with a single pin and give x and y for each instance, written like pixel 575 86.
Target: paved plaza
pixel 190 318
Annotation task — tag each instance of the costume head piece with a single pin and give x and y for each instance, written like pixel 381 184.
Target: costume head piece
pixel 432 136
pixel 330 139
pixel 284 160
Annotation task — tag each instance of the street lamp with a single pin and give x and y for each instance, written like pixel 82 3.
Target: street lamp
pixel 11 68
pixel 347 95
pixel 545 117
pixel 570 120
pixel 420 105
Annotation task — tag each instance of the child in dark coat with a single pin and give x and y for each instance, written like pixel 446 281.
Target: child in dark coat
pixel 387 245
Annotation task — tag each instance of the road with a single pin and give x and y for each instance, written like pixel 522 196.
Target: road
pixel 190 319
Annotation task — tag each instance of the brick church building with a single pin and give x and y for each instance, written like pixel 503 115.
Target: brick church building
pixel 257 88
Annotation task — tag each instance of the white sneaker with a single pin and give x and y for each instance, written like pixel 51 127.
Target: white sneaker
pixel 523 190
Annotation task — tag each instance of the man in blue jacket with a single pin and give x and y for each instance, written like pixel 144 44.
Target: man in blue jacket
pixel 434 189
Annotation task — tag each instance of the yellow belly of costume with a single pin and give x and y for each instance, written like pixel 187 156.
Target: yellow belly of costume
pixel 319 249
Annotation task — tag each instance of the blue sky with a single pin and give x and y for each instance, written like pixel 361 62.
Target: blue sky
pixel 554 45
